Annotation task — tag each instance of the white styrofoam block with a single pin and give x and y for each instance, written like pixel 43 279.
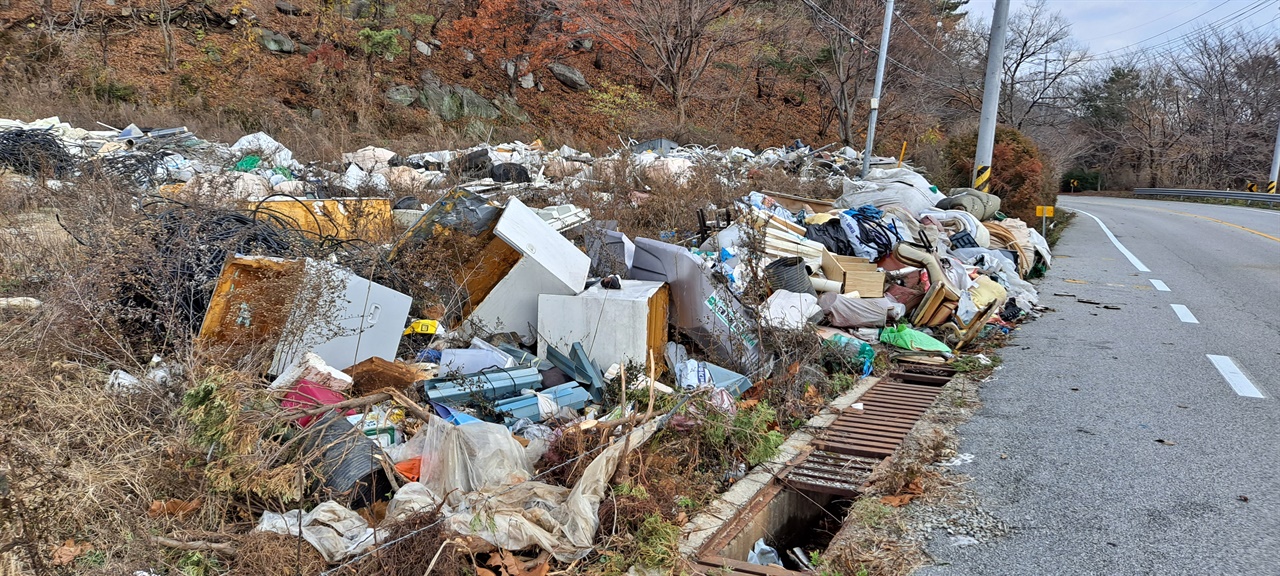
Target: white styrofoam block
pixel 611 324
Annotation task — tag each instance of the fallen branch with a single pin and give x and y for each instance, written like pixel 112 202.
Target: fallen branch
pixel 199 545
pixel 345 404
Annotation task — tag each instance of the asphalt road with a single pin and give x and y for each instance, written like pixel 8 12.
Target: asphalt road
pixel 1066 447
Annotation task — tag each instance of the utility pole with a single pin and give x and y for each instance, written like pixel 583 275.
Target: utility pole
pixel 1275 166
pixel 875 92
pixel 991 98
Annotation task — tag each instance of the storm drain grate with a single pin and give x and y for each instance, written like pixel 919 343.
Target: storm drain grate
pixel 889 411
pixel 842 459
pixel 830 473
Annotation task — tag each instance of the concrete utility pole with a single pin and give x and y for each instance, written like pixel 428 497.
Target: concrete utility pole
pixel 1275 166
pixel 875 92
pixel 991 98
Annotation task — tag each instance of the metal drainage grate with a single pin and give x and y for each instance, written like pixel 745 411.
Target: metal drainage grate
pixel 844 456
pixel 830 473
pixel 890 410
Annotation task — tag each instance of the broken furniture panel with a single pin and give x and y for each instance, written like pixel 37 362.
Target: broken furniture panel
pixel 291 307
pixel 344 218
pixel 854 274
pixel 706 310
pixel 528 258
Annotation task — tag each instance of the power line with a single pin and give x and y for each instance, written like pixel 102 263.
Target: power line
pixel 833 22
pixel 926 40
pixel 1227 20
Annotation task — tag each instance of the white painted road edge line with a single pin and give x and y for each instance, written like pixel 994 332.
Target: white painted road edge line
pixel 1127 254
pixel 1184 314
pixel 1234 376
pixel 1159 285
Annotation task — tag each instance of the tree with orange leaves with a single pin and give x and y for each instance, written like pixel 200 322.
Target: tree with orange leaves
pixel 513 35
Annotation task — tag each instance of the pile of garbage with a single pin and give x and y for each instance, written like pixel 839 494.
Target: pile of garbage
pixel 560 325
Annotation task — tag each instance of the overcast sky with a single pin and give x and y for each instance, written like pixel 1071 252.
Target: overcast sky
pixel 1105 25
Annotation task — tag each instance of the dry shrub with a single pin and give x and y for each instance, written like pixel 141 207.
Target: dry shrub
pixel 412 545
pixel 1017 171
pixel 85 463
pixel 271 554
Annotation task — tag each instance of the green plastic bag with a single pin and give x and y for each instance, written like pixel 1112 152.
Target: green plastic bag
pixel 866 354
pixel 905 337
pixel 248 163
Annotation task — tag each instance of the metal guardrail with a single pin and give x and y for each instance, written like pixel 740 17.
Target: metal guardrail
pixel 1222 194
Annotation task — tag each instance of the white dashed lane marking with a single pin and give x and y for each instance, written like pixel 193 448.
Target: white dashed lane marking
pixel 1234 376
pixel 1160 285
pixel 1184 314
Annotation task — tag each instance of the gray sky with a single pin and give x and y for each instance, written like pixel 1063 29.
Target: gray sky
pixel 1105 25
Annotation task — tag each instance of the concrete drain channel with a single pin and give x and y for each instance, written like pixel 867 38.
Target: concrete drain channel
pixel 802 505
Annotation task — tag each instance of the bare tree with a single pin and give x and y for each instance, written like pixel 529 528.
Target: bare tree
pixel 674 41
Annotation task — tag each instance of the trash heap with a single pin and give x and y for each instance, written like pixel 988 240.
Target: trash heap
pixel 446 393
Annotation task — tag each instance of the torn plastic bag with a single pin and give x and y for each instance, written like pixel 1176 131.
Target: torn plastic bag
pixel 457 460
pixel 907 338
pixel 412 498
pixel 763 554
pixel 790 310
pixel 333 529
pixel 458 209
pixel 704 309
pixel 849 312
pixel 559 520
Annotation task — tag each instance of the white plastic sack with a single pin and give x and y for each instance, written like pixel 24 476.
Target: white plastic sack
pixel 883 188
pixel 412 498
pixel 333 529
pixel 273 152
pixel 849 312
pixel 369 158
pixel 790 310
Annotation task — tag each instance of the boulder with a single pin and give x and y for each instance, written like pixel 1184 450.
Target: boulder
pixel 275 42
pixel 569 76
pixel 423 48
pixel 508 106
pixel 451 102
pixel 476 105
pixel 527 82
pixel 287 9
pixel 403 95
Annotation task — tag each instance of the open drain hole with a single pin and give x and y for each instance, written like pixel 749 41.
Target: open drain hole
pixel 786 519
